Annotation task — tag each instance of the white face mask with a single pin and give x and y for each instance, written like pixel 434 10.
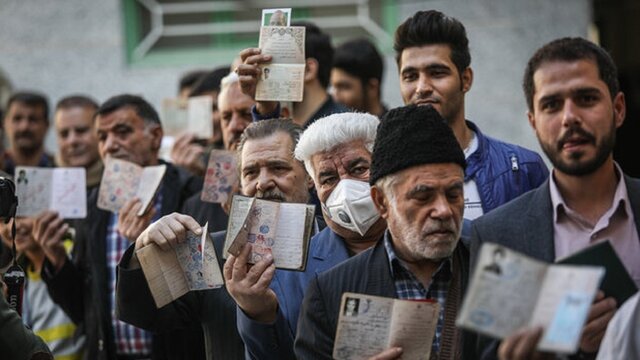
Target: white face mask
pixel 350 206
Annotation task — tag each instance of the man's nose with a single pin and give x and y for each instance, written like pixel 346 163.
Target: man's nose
pixel 570 113
pixel 424 86
pixel 265 182
pixel 441 208
pixel 111 144
pixel 237 123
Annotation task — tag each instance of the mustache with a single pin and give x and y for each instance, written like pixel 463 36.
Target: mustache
pixel 24 134
pixel 572 132
pixel 438 226
pixel 272 195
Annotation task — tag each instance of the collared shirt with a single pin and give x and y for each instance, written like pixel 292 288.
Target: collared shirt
pixel 408 287
pixel 129 339
pixel 573 232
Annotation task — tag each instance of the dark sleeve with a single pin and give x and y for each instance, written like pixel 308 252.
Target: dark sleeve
pixel 16 341
pixel 266 341
pixel 135 303
pixel 257 116
pixel 315 336
pixel 66 287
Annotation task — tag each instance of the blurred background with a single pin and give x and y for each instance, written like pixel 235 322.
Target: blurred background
pixel 106 47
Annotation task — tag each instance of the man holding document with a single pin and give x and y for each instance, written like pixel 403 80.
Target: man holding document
pixel 336 151
pixel 129 131
pixel 417 177
pixel 267 171
pixel 575 107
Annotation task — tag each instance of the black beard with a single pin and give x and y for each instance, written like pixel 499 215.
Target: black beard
pixel 577 168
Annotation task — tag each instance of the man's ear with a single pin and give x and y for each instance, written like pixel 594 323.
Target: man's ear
pixel 380 201
pixel 310 183
pixel 372 88
pixel 532 120
pixel 156 137
pixel 619 109
pixel 311 69
pixel 467 79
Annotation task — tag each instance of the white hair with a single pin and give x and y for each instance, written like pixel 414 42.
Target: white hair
pixel 334 130
pixel 232 78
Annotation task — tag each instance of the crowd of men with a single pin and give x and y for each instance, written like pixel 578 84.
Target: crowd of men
pixel 424 187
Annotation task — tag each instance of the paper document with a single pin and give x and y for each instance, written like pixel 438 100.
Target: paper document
pixel 280 229
pixel 123 180
pixel 192 115
pixel 283 78
pixel 191 265
pixel 59 189
pixel 369 325
pixel 509 291
pixel 221 176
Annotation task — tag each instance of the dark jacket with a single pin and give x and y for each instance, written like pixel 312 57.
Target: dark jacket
pixel 214 309
pixel 367 273
pixel 81 287
pixel 526 225
pixel 502 171
pixel 16 341
pixel 204 212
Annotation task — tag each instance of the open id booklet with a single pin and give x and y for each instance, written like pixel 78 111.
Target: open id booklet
pixel 509 291
pixel 188 115
pixel 60 189
pixel 191 265
pixel 283 78
pixel 369 325
pixel 280 229
pixel 221 176
pixel 123 180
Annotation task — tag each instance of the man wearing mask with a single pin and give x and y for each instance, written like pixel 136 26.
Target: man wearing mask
pixel 267 170
pixel 336 151
pixel 416 177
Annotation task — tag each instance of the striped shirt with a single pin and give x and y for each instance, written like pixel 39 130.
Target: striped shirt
pixel 129 339
pixel 408 287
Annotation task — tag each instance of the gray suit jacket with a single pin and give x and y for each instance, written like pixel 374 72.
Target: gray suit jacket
pixel 526 225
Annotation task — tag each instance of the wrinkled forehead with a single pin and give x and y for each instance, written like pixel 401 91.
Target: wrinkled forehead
pixel 341 155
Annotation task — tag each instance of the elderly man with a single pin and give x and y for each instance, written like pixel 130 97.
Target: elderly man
pixel 77 139
pixel 575 106
pixel 417 177
pixel 128 128
pixel 336 151
pixel 267 170
pixel 26 123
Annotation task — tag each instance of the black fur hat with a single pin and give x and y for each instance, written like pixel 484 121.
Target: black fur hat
pixel 410 136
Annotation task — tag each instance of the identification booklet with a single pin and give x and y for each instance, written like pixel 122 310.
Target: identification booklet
pixel 283 78
pixel 280 229
pixel 369 325
pixel 60 189
pixel 123 180
pixel 191 265
pixel 509 291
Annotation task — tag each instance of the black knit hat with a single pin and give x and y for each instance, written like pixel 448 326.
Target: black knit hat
pixel 410 136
